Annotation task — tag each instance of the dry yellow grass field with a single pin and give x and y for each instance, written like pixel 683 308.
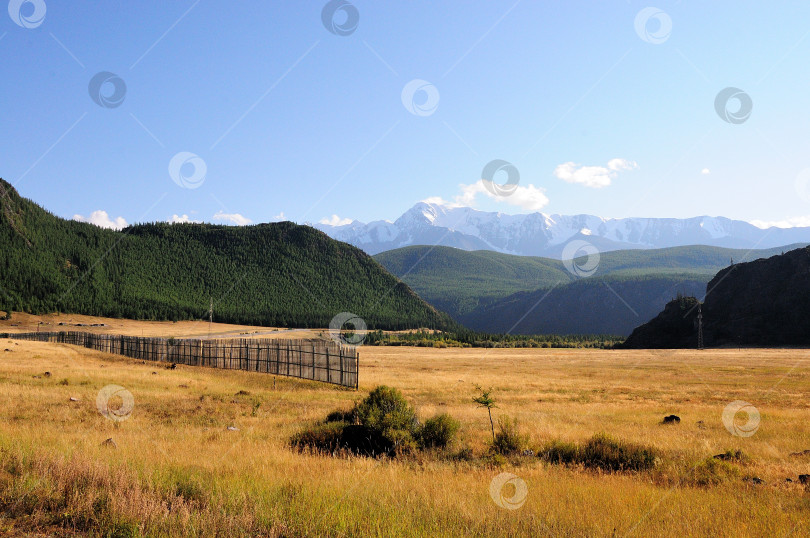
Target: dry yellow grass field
pixel 179 471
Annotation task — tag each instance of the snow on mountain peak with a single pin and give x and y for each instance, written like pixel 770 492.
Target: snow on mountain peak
pixel 539 234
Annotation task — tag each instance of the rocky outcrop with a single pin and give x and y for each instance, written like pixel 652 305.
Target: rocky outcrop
pixel 760 303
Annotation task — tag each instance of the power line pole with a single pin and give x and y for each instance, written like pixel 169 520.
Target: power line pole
pixel 700 326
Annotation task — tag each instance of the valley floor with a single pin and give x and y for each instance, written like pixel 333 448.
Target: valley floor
pixel 179 470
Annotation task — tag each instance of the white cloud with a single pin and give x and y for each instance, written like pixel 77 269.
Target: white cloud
pixel 280 217
pixel 102 219
pixel 526 197
pixel 705 171
pixel 181 219
pixel 594 177
pixel 790 222
pixel 233 218
pixel 334 220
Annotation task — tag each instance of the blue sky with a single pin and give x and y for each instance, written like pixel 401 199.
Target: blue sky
pixel 289 118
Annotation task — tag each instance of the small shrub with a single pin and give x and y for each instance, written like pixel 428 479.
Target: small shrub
pixel 560 452
pixel 464 454
pixel 335 437
pixel 509 440
pixel 604 452
pixel 438 432
pixel 601 452
pixel 711 472
pixel 325 438
pixel 386 412
pixel 341 415
pixel 63 382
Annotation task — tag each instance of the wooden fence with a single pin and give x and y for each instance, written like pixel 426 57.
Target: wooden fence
pixel 318 360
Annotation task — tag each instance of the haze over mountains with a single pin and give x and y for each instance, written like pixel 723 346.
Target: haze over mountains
pixel 538 234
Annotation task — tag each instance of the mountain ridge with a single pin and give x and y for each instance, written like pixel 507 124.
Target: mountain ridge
pixel 540 234
pixel 280 274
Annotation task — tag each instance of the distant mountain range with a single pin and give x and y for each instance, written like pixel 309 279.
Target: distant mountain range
pixel 538 234
pixel 493 292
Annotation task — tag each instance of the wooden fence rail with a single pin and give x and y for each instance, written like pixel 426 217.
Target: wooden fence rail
pixel 318 360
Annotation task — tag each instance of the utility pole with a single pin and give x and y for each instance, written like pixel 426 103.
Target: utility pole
pixel 700 326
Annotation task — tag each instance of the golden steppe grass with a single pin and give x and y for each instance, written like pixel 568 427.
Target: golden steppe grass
pixel 178 471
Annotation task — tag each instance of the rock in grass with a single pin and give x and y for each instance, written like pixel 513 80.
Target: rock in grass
pixel 801 453
pixel 233 429
pixel 672 419
pixel 109 443
pixel 804 479
pixel 72 399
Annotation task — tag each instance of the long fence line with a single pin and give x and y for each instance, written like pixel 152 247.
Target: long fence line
pixel 317 360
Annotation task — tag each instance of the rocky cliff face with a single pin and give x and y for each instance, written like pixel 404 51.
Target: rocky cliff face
pixel 761 303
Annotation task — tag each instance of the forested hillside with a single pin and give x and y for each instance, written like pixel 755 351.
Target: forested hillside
pixel 492 292
pixel 269 274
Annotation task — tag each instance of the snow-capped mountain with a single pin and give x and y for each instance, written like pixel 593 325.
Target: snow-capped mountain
pixel 538 234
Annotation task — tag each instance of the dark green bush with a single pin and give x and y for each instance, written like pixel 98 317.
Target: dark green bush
pixel 438 432
pixel 324 438
pixel 560 452
pixel 601 452
pixel 509 440
pixel 386 412
pixel 382 424
pixel 604 452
